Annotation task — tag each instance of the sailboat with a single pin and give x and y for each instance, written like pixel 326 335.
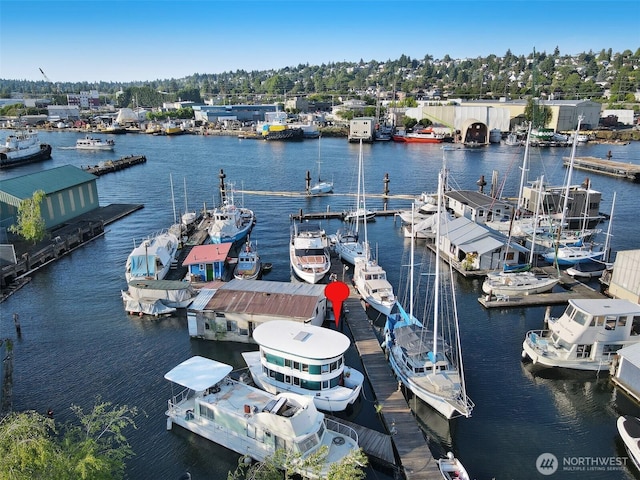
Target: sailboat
pixel 426 362
pixel 347 241
pixel 523 282
pixel 369 278
pixel 564 254
pixel 322 186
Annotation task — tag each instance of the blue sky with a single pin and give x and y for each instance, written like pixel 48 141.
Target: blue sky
pixel 127 40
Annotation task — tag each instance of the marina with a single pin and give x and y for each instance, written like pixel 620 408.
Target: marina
pixel 509 398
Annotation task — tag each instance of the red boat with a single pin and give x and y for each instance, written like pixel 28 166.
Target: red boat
pixel 426 135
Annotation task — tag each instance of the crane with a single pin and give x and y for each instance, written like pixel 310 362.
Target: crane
pixel 57 89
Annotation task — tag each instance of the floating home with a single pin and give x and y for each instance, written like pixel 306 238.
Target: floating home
pixel 234 309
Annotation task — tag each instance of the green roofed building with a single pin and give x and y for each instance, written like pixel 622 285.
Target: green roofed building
pixel 70 192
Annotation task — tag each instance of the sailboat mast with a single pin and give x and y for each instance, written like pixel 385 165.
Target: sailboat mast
pixel 436 297
pixel 173 200
pixel 411 261
pixel 525 169
pixel 535 221
pixel 186 208
pixel 364 207
pixel 606 241
pixel 358 190
pixel 570 173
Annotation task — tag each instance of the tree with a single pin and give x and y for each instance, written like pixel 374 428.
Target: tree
pixel 31 225
pixel 32 447
pixel 281 465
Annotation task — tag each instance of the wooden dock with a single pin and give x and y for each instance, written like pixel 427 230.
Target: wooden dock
pixel 605 166
pixel 115 165
pixel 61 241
pixel 416 460
pixel 572 289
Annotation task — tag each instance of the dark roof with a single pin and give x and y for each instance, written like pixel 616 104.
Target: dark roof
pixel 50 181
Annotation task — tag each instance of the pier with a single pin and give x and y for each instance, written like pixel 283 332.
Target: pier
pixel 605 166
pixel 61 241
pixel 115 165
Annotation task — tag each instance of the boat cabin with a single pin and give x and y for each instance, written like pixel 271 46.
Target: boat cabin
pixel 587 335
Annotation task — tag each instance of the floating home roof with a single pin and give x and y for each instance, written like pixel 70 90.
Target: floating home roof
pixel 301 339
pixel 50 181
pixel 260 297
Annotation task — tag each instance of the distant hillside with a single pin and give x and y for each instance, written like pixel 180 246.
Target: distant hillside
pixel 547 75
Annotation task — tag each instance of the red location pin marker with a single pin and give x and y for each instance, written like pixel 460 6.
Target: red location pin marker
pixel 337 292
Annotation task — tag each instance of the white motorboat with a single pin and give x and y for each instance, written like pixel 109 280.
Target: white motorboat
pixel 360 215
pixel 426 356
pixel 152 258
pixel 21 148
pixel 230 223
pixel 370 280
pixel 517 284
pixel 249 265
pixel 253 422
pixel 589 269
pixel 308 252
pixel 305 359
pixel 91 143
pixel 452 469
pixel 586 336
pixel 426 206
pixel 629 430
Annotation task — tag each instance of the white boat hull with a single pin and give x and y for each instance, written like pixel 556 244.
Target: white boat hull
pixel 336 399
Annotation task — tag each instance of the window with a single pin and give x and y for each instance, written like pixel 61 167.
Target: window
pixel 325 368
pixel 583 351
pixel 622 321
pixel 610 349
pixel 296 365
pixel 597 321
pixel 231 325
pixel 610 322
pixel 314 369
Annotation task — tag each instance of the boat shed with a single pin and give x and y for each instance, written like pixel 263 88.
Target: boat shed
pixel 474 132
pixel 472 245
pixel 478 206
pixel 625 370
pixel 625 278
pixel 69 190
pixel 206 263
pixel 232 311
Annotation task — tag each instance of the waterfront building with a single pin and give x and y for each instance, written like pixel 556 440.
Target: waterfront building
pixel 69 192
pixel 231 311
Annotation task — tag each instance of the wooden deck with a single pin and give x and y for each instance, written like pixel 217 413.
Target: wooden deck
pixel 416 460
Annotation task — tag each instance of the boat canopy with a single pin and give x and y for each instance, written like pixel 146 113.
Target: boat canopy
pixel 142 265
pixel 198 373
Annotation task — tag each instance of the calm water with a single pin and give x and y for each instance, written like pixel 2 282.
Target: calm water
pixel 77 341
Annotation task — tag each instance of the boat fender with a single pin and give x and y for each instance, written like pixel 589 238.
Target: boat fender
pixel 169 424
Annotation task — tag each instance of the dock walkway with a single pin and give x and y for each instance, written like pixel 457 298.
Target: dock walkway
pixel 605 166
pixel 416 460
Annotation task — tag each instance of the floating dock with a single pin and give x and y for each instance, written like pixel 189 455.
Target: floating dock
pixel 114 165
pixel 572 289
pixel 605 166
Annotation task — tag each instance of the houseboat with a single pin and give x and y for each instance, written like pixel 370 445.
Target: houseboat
pixel 587 336
pixel 304 359
pixel 252 422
